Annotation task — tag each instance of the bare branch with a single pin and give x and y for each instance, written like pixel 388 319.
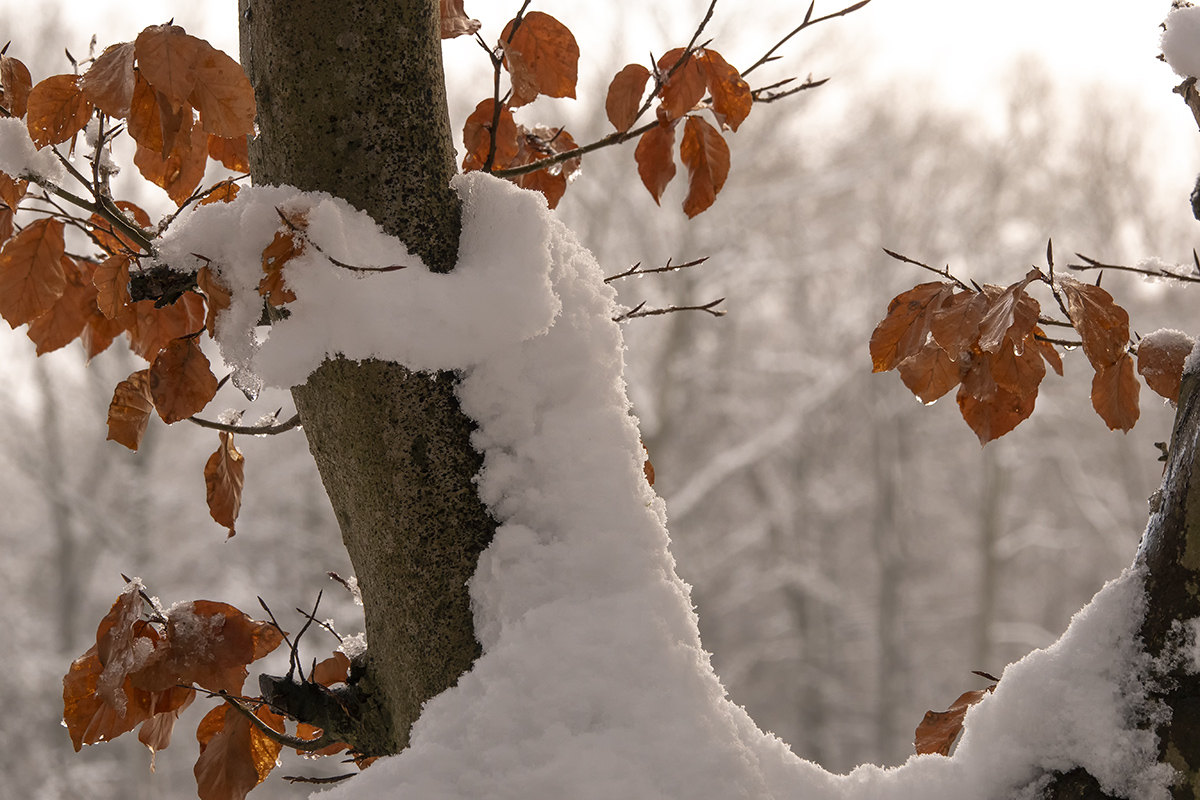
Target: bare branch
pixel 248 430
pixel 1153 273
pixel 307 745
pixel 945 273
pixel 330 779
pixel 808 22
pixel 641 311
pixel 296 230
pixel 636 269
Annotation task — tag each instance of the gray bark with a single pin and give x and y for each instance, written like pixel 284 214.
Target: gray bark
pixel 351 101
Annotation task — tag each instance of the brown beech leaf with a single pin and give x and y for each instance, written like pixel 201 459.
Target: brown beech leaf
pixel 223 192
pixel 223 478
pixel 235 756
pixel 706 155
pixel 540 143
pixel 455 21
pixel 165 708
pixel 12 191
pixel 150 328
pixel 1011 312
pixel 181 172
pixel 6 221
pixel 110 239
pixel 996 413
pixel 223 94
pixel 1103 326
pixel 477 137
pixel 625 96
pixel 58 109
pixel 109 82
pixel 31 273
pixel 145 116
pixel 955 325
pixel 542 57
pixel 903 332
pixel 312 733
pixel 929 373
pixel 731 96
pixel 219 298
pixel 939 729
pixel 1048 352
pixel 685 88
pixel 335 669
pixel 655 156
pixel 15 83
pixel 67 318
pixel 233 153
pixel 168 58
pixel 209 644
pixel 130 410
pixel 181 380
pixel 99 333
pixel 1115 391
pixel 89 719
pixel 1160 360
pixel 286 245
pixel 1020 374
pixel 111 280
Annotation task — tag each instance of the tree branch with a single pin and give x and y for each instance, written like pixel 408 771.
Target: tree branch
pixel 641 311
pixel 636 269
pixel 248 430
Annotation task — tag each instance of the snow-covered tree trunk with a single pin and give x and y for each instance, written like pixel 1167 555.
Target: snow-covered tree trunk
pixel 351 101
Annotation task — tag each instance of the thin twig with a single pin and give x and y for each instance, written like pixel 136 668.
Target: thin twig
pixel 945 273
pixel 636 269
pixel 307 745
pixel 807 23
pixel 330 779
pixel 1059 342
pixel 641 311
pixel 1153 273
pixel 249 430
pixel 297 231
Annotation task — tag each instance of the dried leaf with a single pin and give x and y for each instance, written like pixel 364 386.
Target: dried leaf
pixel 955 324
pixel 335 669
pixel 542 57
pixel 655 156
pixel 99 333
pixel 903 332
pixel 477 137
pixel 1115 391
pixel 150 328
pixel 181 172
pixel 130 410
pixel 625 96
pixel 15 83
pixel 58 109
pixel 233 153
pixel 165 708
pixel 283 248
pixel 455 21
pixel 1101 323
pixel 1048 352
pixel 1011 312
pixel 111 280
pixel 540 143
pixel 234 755
pixel 67 318
pixel 223 478
pixel 706 155
pixel 939 729
pixel 12 191
pixel 219 298
pixel 995 414
pixel 88 718
pixel 223 95
pixel 1160 360
pixel 930 373
pixel 110 81
pixel 223 192
pixel 110 239
pixel 731 95
pixel 168 58
pixel 181 380
pixel 208 644
pixel 685 88
pixel 1021 373
pixel 144 121
pixel 31 273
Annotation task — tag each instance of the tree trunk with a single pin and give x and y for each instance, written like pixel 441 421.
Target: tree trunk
pixel 351 101
pixel 1170 551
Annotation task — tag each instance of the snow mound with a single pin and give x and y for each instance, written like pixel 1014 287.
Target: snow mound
pixel 19 158
pixel 1181 41
pixel 593 682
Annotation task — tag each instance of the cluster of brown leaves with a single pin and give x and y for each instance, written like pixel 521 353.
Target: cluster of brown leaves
pixel 542 57
pixel 144 670
pixel 988 342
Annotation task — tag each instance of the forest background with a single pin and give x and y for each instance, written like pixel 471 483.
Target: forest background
pixel 853 556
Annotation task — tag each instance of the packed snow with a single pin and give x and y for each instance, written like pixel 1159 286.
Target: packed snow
pixel 593 682
pixel 19 158
pixel 1181 41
